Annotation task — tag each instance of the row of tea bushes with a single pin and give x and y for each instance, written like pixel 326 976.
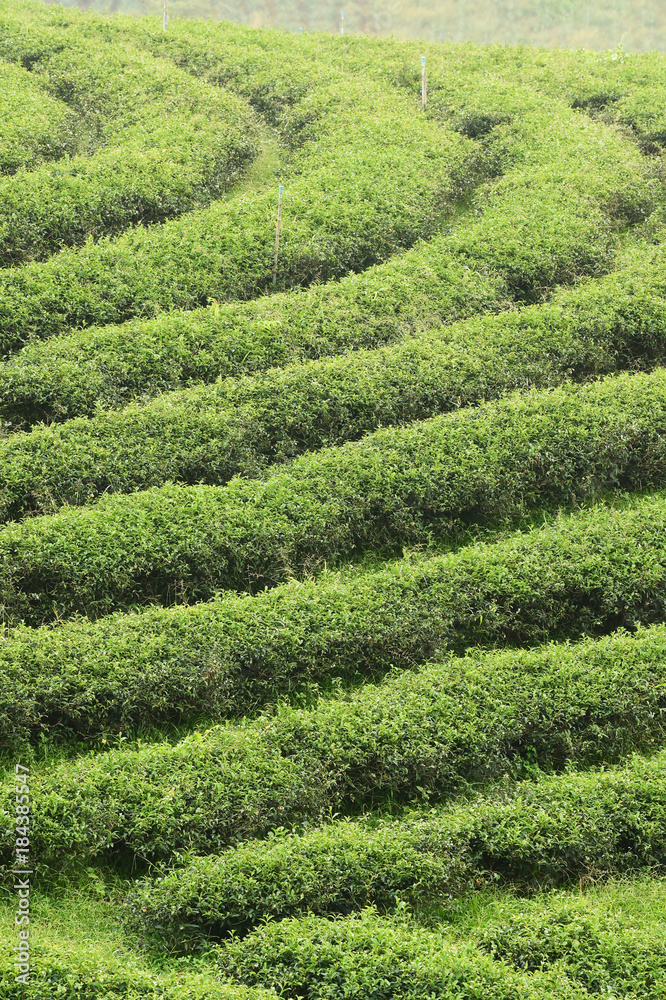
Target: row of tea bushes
pixel 377 179
pixel 606 941
pixel 367 955
pixel 476 86
pixel 153 141
pixel 610 938
pixel 107 366
pixel 76 972
pixel 416 736
pixel 395 487
pixel 545 202
pixel 208 434
pixel 537 833
pixel 34 127
pixel 451 277
pixel 583 574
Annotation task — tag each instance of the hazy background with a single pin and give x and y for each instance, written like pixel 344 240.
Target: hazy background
pixel 604 24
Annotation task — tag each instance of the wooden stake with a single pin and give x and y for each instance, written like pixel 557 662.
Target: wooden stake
pixel 342 22
pixel 165 16
pixel 424 84
pixel 277 232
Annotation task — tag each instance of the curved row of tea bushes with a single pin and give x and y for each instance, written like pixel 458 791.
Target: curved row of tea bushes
pixel 266 69
pixel 548 202
pixel 610 940
pixel 367 955
pixel 108 366
pixel 34 127
pixel 472 89
pixel 398 486
pixel 537 833
pixel 209 434
pixel 194 157
pixel 70 972
pixel 452 277
pixel 413 737
pixel 377 179
pixel 159 143
pixel 477 86
pixel 583 574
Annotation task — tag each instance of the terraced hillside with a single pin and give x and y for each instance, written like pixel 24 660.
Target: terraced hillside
pixel 332 574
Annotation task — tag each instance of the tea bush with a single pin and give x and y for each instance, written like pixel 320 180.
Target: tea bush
pixel 395 487
pixel 34 127
pixel 347 206
pixel 600 942
pixel 373 956
pixel 77 373
pixel 209 434
pixel 415 736
pixel 155 142
pixel 535 834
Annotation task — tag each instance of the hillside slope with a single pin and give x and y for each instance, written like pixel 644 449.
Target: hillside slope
pixel 332 568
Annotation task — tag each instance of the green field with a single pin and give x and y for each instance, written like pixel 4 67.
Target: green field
pixel 332 576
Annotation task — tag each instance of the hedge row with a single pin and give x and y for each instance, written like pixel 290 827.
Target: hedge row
pixel 209 434
pixel 414 737
pixel 443 281
pixel 598 942
pixel 475 86
pixel 547 203
pixel 108 366
pixel 449 279
pixel 472 88
pixel 532 835
pixel 34 126
pixel 350 202
pixel 77 973
pixel 371 956
pixel 162 143
pixel 395 487
pixel 582 575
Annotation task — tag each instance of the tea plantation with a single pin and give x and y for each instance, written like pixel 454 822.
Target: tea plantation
pixel 333 568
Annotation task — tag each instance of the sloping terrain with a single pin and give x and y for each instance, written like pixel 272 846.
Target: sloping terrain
pixel 333 571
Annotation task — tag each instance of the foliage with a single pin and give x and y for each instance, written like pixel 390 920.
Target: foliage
pixel 106 366
pixel 34 127
pixel 421 735
pixel 394 487
pixel 367 955
pixel 581 575
pixel 209 434
pixel 346 208
pixel 537 833
pixel 598 940
pixel 150 147
pixel 457 339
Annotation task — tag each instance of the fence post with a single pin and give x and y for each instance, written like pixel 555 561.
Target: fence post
pixel 424 84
